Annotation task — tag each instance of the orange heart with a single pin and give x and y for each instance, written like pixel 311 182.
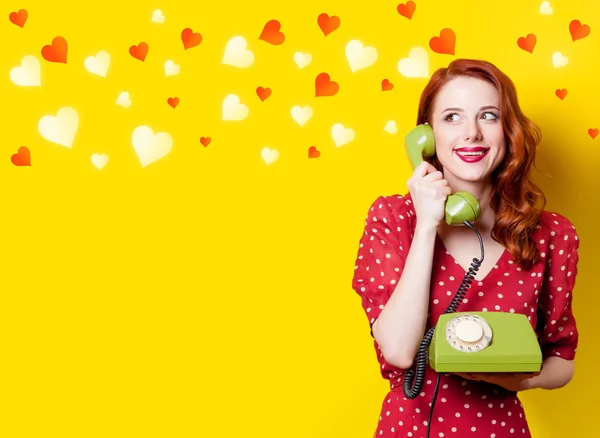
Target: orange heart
pixel 173 101
pixel 328 24
pixel 527 43
pixel 313 152
pixel 578 30
pixel 140 51
pixel 18 18
pixel 205 141
pixel 386 85
pixel 445 43
pixel 561 94
pixel 407 10
pixel 324 86
pixel 263 93
pixel 190 39
pixel 22 157
pixel 593 132
pixel 271 33
pixel 57 52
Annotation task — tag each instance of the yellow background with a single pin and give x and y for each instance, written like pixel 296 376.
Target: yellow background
pixel 208 294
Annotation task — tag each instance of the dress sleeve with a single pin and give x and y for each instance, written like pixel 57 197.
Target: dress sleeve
pixel 556 326
pixel 381 255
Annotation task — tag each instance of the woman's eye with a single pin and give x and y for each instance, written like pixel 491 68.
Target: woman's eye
pixel 494 116
pixel 449 117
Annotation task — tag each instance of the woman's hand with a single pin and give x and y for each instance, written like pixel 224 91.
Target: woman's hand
pixel 511 381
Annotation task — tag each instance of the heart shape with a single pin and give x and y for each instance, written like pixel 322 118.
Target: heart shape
pixel 386 85
pixel 150 147
pixel 233 109
pixel 205 141
pixel 236 53
pixel 124 100
pixel 324 86
pixel 22 157
pixel 190 39
pixel 18 18
pixel 328 24
pixel 527 43
pixel 578 30
pixel 416 65
pixel 28 74
pixel 99 160
pixel 407 9
pixel 593 133
pixel 559 60
pixel 313 152
pixel 445 43
pixel 57 51
pixel 301 115
pixel 98 64
pixel 360 57
pixel 158 17
pixel 60 129
pixel 342 135
pixel 391 127
pixel 263 93
pixel 140 51
pixel 171 69
pixel 302 59
pixel 546 9
pixel 271 33
pixel 561 94
pixel 269 155
pixel 173 101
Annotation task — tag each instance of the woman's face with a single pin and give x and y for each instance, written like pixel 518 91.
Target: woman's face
pixel 466 115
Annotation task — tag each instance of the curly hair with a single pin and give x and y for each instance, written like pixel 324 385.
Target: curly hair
pixel 515 197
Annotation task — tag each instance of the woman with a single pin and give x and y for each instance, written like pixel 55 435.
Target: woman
pixel 410 263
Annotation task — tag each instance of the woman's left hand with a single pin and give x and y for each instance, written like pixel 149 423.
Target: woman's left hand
pixel 511 381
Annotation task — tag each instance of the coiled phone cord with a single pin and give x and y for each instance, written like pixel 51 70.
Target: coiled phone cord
pixel 415 379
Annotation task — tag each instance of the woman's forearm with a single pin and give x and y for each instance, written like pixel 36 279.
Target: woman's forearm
pixel 556 372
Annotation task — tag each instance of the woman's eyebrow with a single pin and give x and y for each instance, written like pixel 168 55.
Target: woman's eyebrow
pixel 480 109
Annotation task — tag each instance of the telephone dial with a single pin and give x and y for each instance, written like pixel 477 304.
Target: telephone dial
pixel 467 342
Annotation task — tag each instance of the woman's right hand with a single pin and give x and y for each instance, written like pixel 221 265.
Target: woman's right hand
pixel 429 191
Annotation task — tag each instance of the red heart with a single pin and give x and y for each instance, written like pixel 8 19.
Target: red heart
pixel 190 39
pixel 324 86
pixel 386 85
pixel 561 94
pixel 593 133
pixel 271 33
pixel 527 43
pixel 22 157
pixel 445 43
pixel 578 30
pixel 57 52
pixel 140 51
pixel 313 152
pixel 263 93
pixel 328 24
pixel 18 18
pixel 173 101
pixel 407 10
pixel 205 141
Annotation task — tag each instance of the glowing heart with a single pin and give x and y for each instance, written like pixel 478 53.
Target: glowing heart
pixel 190 39
pixel 99 160
pixel 98 64
pixel 527 43
pixel 236 53
pixel 18 18
pixel 559 60
pixel 205 141
pixel 263 93
pixel 407 10
pixel 328 24
pixel 171 69
pixel 302 59
pixel 546 9
pixel 561 94
pixel 150 147
pixel 578 30
pixel 233 109
pixel 124 100
pixel 302 115
pixel 173 102
pixel 445 43
pixel 313 152
pixel 386 85
pixel 269 155
pixel 324 86
pixel 391 127
pixel 57 51
pixel 158 17
pixel 593 132
pixel 60 129
pixel 28 74
pixel 360 57
pixel 140 51
pixel 22 157
pixel 271 33
pixel 416 65
pixel 341 135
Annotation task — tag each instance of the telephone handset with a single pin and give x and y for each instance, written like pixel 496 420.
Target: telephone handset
pixel 470 342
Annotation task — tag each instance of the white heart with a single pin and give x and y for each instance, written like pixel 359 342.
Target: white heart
pixel 99 160
pixel 559 60
pixel 171 68
pixel 60 129
pixel 150 147
pixel 28 74
pixel 302 115
pixel 236 53
pixel 341 135
pixel 546 9
pixel 98 64
pixel 360 57
pixel 391 127
pixel 302 59
pixel 233 109
pixel 269 155
pixel 158 17
pixel 416 65
pixel 124 100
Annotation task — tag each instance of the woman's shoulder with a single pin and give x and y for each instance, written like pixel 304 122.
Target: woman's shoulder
pixel 556 228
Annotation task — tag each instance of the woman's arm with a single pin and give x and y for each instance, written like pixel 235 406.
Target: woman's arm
pixel 556 372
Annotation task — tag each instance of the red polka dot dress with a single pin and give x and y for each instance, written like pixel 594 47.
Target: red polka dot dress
pixel 466 408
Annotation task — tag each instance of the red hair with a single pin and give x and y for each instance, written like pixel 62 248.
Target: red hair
pixel 515 197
